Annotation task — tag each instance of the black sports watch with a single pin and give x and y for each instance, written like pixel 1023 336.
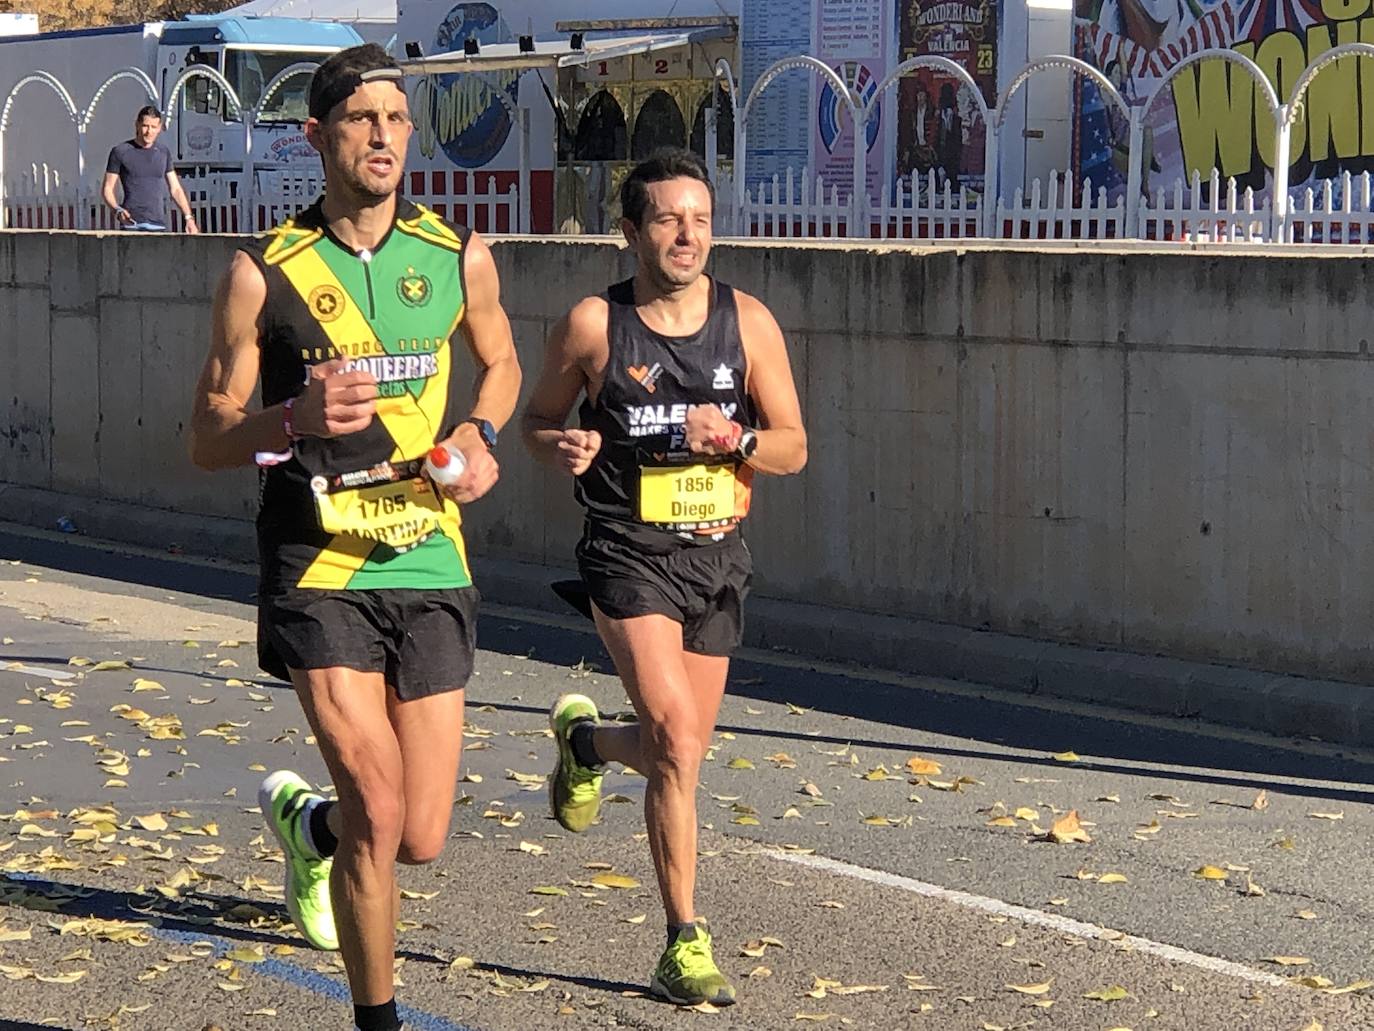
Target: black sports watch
pixel 748 443
pixel 485 430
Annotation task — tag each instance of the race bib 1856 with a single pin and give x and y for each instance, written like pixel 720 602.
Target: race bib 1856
pixel 686 493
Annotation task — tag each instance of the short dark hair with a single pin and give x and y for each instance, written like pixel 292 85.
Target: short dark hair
pixel 335 80
pixel 147 111
pixel 660 166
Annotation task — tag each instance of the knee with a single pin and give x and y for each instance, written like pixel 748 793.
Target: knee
pixel 376 820
pixel 422 845
pixel 674 745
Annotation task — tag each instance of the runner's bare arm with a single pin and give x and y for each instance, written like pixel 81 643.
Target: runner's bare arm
pixel 781 434
pixel 493 348
pixel 577 344
pixel 498 371
pixel 224 433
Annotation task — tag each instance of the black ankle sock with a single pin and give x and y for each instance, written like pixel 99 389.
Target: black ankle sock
pixel 326 844
pixel 675 929
pixel 582 744
pixel 377 1018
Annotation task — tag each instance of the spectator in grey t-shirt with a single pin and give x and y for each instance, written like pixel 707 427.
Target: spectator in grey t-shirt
pixel 143 169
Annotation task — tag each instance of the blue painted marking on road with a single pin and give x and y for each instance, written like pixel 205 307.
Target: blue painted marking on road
pixel 414 1019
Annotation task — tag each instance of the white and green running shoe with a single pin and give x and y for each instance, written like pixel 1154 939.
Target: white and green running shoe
pixel 574 789
pixel 687 973
pixel 284 797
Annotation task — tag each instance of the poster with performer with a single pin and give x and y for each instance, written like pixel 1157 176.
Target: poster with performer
pixel 853 37
pixel 939 125
pixel 1209 114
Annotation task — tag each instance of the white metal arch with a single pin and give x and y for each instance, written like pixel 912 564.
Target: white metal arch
pixel 787 64
pixel 275 83
pixel 944 64
pixel 49 81
pixel 1271 98
pixel 856 114
pixel 56 86
pixel 1320 62
pixel 169 106
pixel 1071 64
pixel 723 71
pixel 137 74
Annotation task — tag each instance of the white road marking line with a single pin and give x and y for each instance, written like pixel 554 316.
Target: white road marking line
pixel 1053 921
pixel 37 671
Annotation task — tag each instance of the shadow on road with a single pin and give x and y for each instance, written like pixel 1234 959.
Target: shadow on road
pixel 902 707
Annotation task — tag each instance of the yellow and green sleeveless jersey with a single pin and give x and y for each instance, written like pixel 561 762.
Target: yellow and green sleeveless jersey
pixel 349 512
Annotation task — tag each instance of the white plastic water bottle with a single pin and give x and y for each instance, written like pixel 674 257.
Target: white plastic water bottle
pixel 445 465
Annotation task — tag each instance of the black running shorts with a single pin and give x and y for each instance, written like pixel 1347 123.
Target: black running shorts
pixel 701 586
pixel 423 641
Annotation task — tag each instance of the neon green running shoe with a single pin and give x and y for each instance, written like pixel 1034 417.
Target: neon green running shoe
pixel 283 797
pixel 574 789
pixel 687 973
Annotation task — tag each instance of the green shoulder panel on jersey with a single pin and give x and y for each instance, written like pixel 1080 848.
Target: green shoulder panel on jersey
pixel 428 226
pixel 288 239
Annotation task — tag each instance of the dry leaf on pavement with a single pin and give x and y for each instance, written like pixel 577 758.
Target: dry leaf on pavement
pixel 1112 993
pixel 1067 829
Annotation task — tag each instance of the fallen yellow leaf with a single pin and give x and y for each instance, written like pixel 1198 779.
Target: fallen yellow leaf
pixel 919 767
pixel 1112 993
pixel 1288 961
pixel 1210 873
pixel 1067 829
pixel 1031 989
pixel 615 880
pixel 1066 757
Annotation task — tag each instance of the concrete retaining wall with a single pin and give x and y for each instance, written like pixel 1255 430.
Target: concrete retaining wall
pixel 1156 450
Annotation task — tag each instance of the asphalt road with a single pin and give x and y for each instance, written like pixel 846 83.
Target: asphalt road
pixel 875 849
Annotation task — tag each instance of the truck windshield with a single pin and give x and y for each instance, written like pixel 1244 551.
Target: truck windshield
pixel 250 72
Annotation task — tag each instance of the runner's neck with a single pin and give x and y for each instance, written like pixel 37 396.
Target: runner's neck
pixel 359 226
pixel 679 312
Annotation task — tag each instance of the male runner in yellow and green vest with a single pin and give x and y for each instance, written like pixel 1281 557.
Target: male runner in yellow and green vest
pixel 687 392
pixel 359 314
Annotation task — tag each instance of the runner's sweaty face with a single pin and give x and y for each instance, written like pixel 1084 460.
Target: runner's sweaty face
pixel 675 237
pixel 363 141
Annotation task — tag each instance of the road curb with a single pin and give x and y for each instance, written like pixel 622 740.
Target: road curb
pixel 1284 705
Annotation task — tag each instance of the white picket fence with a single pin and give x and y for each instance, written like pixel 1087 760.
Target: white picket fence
pixel 916 207
pixel 791 206
pixel 39 199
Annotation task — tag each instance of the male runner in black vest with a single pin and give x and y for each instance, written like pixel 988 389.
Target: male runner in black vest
pixel 688 393
pixel 358 313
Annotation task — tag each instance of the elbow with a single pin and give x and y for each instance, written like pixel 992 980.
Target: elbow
pixel 797 460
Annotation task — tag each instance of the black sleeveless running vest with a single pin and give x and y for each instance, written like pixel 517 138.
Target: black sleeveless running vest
pixel 650 382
